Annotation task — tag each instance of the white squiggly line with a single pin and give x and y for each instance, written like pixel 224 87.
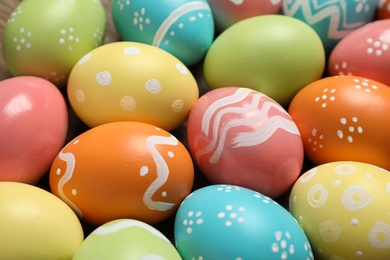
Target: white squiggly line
pixel 162 171
pixel 70 161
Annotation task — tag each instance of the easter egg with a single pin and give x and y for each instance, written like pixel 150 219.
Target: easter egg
pixel 240 136
pixel 232 222
pixel 227 13
pixel 273 54
pixel 46 38
pixel 332 20
pixel 35 224
pixel 126 239
pixel 129 81
pixel 173 26
pixel 344 207
pixel 123 170
pixel 33 127
pixel 370 55
pixel 344 118
pixel 383 10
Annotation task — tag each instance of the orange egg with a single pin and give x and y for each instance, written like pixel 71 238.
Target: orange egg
pixel 123 170
pixel 344 118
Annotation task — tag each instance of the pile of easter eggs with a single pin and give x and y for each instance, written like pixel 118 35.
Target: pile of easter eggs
pixel 214 129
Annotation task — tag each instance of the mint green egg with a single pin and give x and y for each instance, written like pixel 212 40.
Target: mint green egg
pixel 45 38
pixel 126 239
pixel 273 54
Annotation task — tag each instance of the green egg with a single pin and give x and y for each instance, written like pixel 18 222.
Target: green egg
pixel 45 38
pixel 273 54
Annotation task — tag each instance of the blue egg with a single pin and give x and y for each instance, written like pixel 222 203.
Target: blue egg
pixel 331 19
pixel 184 28
pixel 232 222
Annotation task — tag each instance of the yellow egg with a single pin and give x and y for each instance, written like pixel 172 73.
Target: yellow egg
pixel 129 81
pixel 35 224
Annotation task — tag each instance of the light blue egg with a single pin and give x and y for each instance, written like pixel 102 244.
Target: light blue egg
pixel 331 19
pixel 184 28
pixel 232 222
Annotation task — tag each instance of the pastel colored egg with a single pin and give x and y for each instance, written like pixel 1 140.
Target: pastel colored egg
pixel 383 10
pixel 344 118
pixel 232 222
pixel 33 127
pixel 126 239
pixel 273 54
pixel 332 20
pixel 173 26
pixel 123 170
pixel 227 13
pixel 241 136
pixel 46 38
pixel 35 224
pixel 344 207
pixel 364 52
pixel 129 81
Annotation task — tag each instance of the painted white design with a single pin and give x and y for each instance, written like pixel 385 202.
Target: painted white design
pixel 317 196
pixel 192 218
pixel 316 139
pixel 23 41
pixel 342 69
pixel 355 198
pixel 237 2
pixel 122 4
pixel 283 245
pixel 177 106
pixel 14 14
pixel 231 215
pixel 133 51
pixel 308 175
pixel 174 16
pixel 353 129
pixel 379 235
pixel 182 69
pixel 67 36
pixel 103 78
pixel 139 19
pixel 326 97
pixel 128 103
pixel 329 230
pixel 162 171
pixel 365 85
pixel 80 95
pixel 85 58
pixel 344 169
pixel 153 86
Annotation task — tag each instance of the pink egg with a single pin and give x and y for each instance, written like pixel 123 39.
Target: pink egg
pixel 226 13
pixel 33 127
pixel 242 137
pixel 365 52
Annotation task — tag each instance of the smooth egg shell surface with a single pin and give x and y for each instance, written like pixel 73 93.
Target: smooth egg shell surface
pixel 46 38
pixel 123 170
pixel 232 222
pixel 36 225
pixel 129 81
pixel 344 208
pixel 33 127
pixel 344 118
pixel 383 10
pixel 126 239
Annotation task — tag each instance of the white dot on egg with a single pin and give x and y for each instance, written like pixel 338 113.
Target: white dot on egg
pixel 74 192
pixel 127 103
pixel 177 106
pixel 171 154
pixel 164 194
pixel 85 58
pixel 221 215
pixel 192 18
pixel 172 33
pixel 103 78
pixel 189 230
pixel 144 170
pixel 181 25
pixel 359 253
pixel 61 41
pixel 182 69
pixel 336 183
pixel 80 95
pixel 153 86
pixel 229 207
pixel 132 51
pixel 228 223
pixel 76 142
pixel 354 222
pixel 58 172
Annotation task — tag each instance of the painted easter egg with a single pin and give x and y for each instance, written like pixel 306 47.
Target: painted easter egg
pixel 46 38
pixel 332 20
pixel 344 118
pixel 35 224
pixel 174 26
pixel 370 55
pixel 240 136
pixel 227 13
pixel 383 10
pixel 129 81
pixel 232 222
pixel 33 127
pixel 273 54
pixel 126 239
pixel 123 170
pixel 344 207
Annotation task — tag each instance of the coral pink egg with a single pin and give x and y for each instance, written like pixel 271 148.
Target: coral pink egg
pixel 33 127
pixel 242 137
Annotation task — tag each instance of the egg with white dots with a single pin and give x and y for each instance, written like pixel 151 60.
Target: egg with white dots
pixel 233 222
pixel 131 81
pixel 343 207
pixel 170 25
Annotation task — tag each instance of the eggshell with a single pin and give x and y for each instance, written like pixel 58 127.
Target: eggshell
pixel 129 81
pixel 173 26
pixel 240 136
pixel 273 54
pixel 365 52
pixel 123 170
pixel 33 127
pixel 332 20
pixel 232 222
pixel 344 118
pixel 126 239
pixel 383 10
pixel 35 224
pixel 227 13
pixel 46 38
pixel 344 207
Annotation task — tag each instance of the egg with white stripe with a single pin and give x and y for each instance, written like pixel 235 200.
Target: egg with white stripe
pixel 184 28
